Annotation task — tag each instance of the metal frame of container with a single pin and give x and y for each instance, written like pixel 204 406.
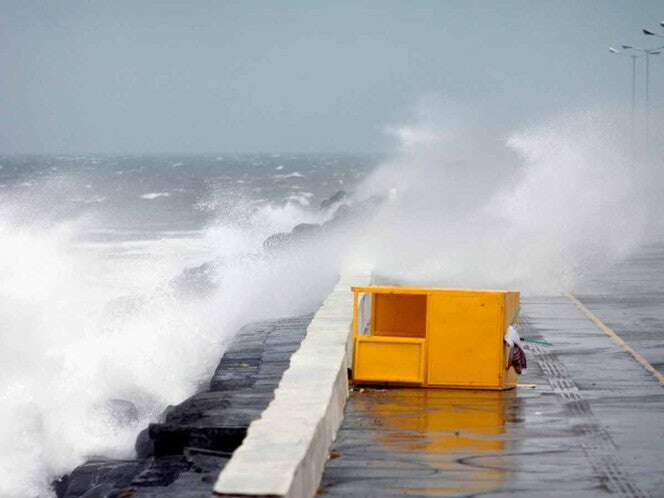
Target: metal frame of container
pixel 433 337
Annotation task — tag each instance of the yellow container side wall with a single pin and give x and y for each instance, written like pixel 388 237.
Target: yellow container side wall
pixel 465 339
pixel 398 315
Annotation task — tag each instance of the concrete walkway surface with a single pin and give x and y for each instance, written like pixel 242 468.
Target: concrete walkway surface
pixel 592 425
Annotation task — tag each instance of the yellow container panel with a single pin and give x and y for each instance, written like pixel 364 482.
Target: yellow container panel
pixel 399 315
pixel 389 359
pixel 465 339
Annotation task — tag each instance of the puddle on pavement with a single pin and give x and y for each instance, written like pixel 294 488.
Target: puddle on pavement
pixel 460 433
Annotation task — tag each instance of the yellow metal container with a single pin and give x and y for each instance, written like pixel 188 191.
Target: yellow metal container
pixel 433 337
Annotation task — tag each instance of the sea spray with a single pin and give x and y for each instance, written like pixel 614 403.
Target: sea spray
pixel 97 340
pixel 535 210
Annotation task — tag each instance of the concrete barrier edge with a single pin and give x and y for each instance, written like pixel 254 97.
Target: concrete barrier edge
pixel 285 450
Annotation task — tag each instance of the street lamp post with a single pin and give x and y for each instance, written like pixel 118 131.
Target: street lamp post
pixel 633 114
pixel 647 52
pixel 655 51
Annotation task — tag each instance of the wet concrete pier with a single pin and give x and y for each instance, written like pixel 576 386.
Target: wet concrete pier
pixel 587 421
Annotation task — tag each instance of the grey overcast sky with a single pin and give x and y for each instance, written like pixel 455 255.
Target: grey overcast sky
pixel 222 76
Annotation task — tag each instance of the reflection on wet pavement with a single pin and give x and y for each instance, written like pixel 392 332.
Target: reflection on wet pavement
pixel 458 432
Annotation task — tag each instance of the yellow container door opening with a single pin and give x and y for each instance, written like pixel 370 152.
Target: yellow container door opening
pixel 397 315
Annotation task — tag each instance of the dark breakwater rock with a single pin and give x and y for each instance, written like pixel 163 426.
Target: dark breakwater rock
pixel 197 280
pixel 334 199
pixel 182 455
pixel 345 214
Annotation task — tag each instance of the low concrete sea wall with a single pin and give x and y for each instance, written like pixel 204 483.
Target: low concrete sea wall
pixel 266 420
pixel 285 450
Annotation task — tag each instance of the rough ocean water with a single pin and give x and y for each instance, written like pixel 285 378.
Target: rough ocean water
pixel 106 314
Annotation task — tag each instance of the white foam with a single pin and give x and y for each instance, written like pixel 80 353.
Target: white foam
pixel 301 198
pixel 294 174
pixel 155 195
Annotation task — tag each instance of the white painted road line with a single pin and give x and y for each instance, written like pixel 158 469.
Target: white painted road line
pixel 617 339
